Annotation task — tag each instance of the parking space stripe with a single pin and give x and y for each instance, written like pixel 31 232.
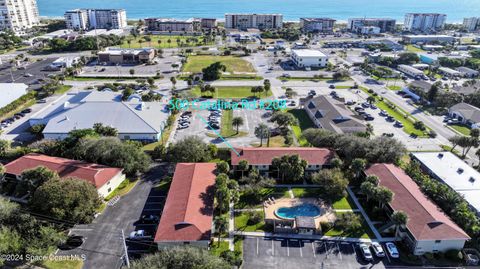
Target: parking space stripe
pixel 313 248
pixel 257 246
pixel 288 250
pixel 339 252
pixel 273 248
pixel 300 247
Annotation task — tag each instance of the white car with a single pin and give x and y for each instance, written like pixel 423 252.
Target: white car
pixel 377 249
pixel 392 250
pixel 367 255
pixel 139 235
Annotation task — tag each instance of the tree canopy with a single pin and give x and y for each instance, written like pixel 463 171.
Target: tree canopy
pixel 181 258
pixel 332 183
pixel 189 149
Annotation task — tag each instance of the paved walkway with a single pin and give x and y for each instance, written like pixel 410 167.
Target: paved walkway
pixel 296 186
pixel 367 219
pixel 290 192
pixel 231 226
pixel 303 236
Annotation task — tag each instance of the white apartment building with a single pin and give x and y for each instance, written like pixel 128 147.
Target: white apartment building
pixel 320 25
pixel 18 15
pixel 385 24
pixel 471 24
pixel 309 58
pixel 259 21
pixel 410 71
pixel 424 22
pixel 84 19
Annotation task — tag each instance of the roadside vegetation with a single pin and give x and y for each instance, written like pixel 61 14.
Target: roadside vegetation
pixel 196 63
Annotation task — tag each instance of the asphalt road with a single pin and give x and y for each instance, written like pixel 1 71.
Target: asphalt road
pixel 103 245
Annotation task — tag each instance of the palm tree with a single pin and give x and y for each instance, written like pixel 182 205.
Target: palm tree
pixel 383 196
pixel 129 42
pixel 221 226
pixel 358 165
pixel 369 129
pixel 368 189
pixel 371 99
pixel 261 131
pixel 159 41
pixel 242 166
pixel 399 218
pixel 169 41
pixel 237 122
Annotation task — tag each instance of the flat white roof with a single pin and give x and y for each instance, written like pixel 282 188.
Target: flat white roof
pixel 308 53
pixel 9 92
pixel 455 173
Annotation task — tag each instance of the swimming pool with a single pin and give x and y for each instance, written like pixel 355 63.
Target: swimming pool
pixel 305 210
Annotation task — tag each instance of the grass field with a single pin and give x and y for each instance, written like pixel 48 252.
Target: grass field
pixel 125 187
pixel 363 232
pixel 344 203
pixel 395 88
pixel 412 48
pixel 218 247
pixel 196 63
pixel 246 201
pixel 227 130
pixel 175 41
pixel 230 92
pixel 304 123
pixel 461 129
pixel 242 224
pixel 67 264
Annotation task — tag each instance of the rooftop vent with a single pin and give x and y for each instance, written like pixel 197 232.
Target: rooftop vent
pixel 440 155
pixel 460 170
pixel 471 179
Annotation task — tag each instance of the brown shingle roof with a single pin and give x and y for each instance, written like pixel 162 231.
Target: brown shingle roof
pixel 425 220
pixel 96 174
pixel 264 156
pixel 188 211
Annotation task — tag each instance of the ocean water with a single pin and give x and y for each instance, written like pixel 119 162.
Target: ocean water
pixel 456 10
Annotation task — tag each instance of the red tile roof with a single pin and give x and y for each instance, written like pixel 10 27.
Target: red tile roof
pixel 264 156
pixel 188 211
pixel 96 174
pixel 425 220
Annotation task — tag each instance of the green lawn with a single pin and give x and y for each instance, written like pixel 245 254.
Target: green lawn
pixel 63 89
pixel 67 264
pixel 276 141
pixel 246 201
pixel 241 77
pixel 363 232
pixel 304 123
pixel 315 79
pixel 344 203
pixel 196 63
pixel 412 48
pixel 218 247
pixel 305 192
pixel 395 88
pixel 230 92
pixel 125 187
pixel 163 139
pixel 461 129
pixel 227 130
pixel 242 224
pixel 140 41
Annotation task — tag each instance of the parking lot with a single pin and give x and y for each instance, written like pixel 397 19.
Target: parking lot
pixel 291 253
pixel 29 74
pixel 198 127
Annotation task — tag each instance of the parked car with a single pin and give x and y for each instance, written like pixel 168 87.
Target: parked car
pixel 366 105
pixel 28 75
pixel 139 235
pixel 41 101
pixel 372 106
pixel 333 93
pixel 215 126
pixel 368 117
pixel 331 86
pixel 73 241
pixel 358 108
pixel 149 219
pixel 377 249
pixel 390 118
pixel 398 124
pixel 292 103
pixel 367 255
pixel 27 110
pixel 383 113
pixel 392 250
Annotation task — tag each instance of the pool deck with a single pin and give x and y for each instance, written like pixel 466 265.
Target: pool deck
pixel 326 212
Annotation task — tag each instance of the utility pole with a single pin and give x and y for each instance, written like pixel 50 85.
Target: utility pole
pixel 127 260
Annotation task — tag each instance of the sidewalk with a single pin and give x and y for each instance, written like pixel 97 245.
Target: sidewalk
pixel 364 214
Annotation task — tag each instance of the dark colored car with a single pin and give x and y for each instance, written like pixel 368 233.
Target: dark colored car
pixel 73 241
pixel 149 219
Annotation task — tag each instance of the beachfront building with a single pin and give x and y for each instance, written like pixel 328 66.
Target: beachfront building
pixel 317 25
pixel 104 178
pixel 187 216
pixel 256 21
pixel 413 39
pixel 332 114
pixel 424 22
pixel 451 170
pixel 18 16
pixel 133 119
pixel 304 58
pixel 359 25
pixel 85 19
pixel 126 56
pixel 261 158
pixel 471 24
pixel 410 71
pixel 184 26
pixel 428 229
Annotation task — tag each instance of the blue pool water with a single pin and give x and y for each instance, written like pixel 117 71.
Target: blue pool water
pixel 305 210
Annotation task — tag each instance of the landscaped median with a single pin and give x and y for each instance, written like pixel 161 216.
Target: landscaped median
pixel 230 92
pixel 399 114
